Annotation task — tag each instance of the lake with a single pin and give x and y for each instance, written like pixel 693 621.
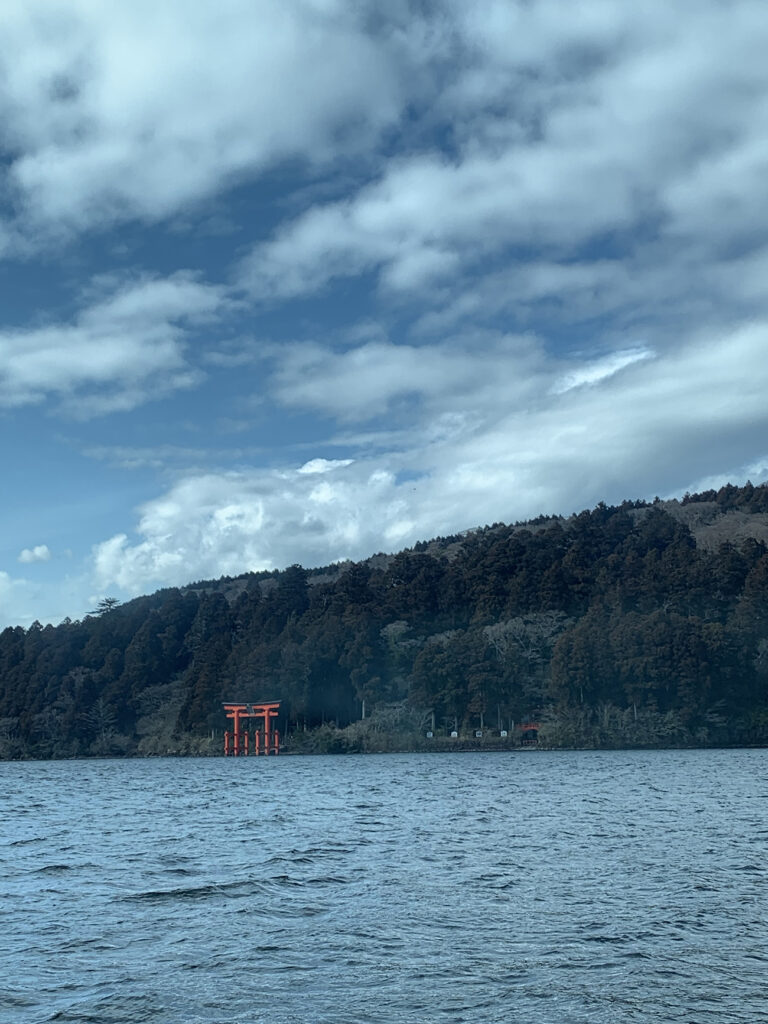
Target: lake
pixel 549 886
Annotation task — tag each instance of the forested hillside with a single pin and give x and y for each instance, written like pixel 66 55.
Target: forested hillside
pixel 643 624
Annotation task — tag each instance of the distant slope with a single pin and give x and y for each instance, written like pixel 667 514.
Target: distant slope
pixel 639 624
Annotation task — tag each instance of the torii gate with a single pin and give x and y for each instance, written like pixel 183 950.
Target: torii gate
pixel 266 712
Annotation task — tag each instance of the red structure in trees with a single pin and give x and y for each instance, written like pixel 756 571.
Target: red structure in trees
pixel 265 738
pixel 529 733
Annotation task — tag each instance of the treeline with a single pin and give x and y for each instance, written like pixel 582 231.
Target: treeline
pixel 612 627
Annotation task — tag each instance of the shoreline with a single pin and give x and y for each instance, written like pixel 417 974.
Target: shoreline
pixel 462 749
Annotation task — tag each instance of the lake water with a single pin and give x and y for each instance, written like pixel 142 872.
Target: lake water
pixel 543 886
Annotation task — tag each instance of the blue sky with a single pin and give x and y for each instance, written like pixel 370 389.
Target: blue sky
pixel 303 280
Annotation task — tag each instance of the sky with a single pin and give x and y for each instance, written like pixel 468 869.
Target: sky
pixel 305 280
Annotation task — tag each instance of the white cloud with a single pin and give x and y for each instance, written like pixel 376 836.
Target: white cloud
pixel 315 466
pixel 364 382
pixel 755 471
pixel 516 456
pixel 125 347
pixel 427 217
pixel 214 524
pixel 15 597
pixel 113 110
pixel 39 553
pixel 574 130
pixel 593 372
pixel 23 601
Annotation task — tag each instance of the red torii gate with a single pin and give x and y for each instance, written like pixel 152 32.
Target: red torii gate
pixel 266 712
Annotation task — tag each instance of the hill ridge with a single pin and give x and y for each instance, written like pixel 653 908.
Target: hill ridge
pixel 636 624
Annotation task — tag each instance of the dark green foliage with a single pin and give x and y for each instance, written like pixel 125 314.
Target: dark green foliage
pixel 639 624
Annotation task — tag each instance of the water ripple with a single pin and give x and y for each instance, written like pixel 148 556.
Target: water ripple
pixel 569 888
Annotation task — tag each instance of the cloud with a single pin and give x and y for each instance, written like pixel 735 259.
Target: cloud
pixel 429 217
pixel 315 466
pixel 16 595
pixel 39 553
pixel 23 601
pixel 594 372
pixel 510 456
pixel 218 523
pixel 115 111
pixel 756 472
pixel 368 380
pixel 123 348
pixel 598 156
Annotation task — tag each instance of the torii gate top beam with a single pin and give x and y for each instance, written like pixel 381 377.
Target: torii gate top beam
pixel 252 710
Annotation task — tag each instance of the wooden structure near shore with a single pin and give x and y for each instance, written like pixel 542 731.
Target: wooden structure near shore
pixel 529 733
pixel 266 739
